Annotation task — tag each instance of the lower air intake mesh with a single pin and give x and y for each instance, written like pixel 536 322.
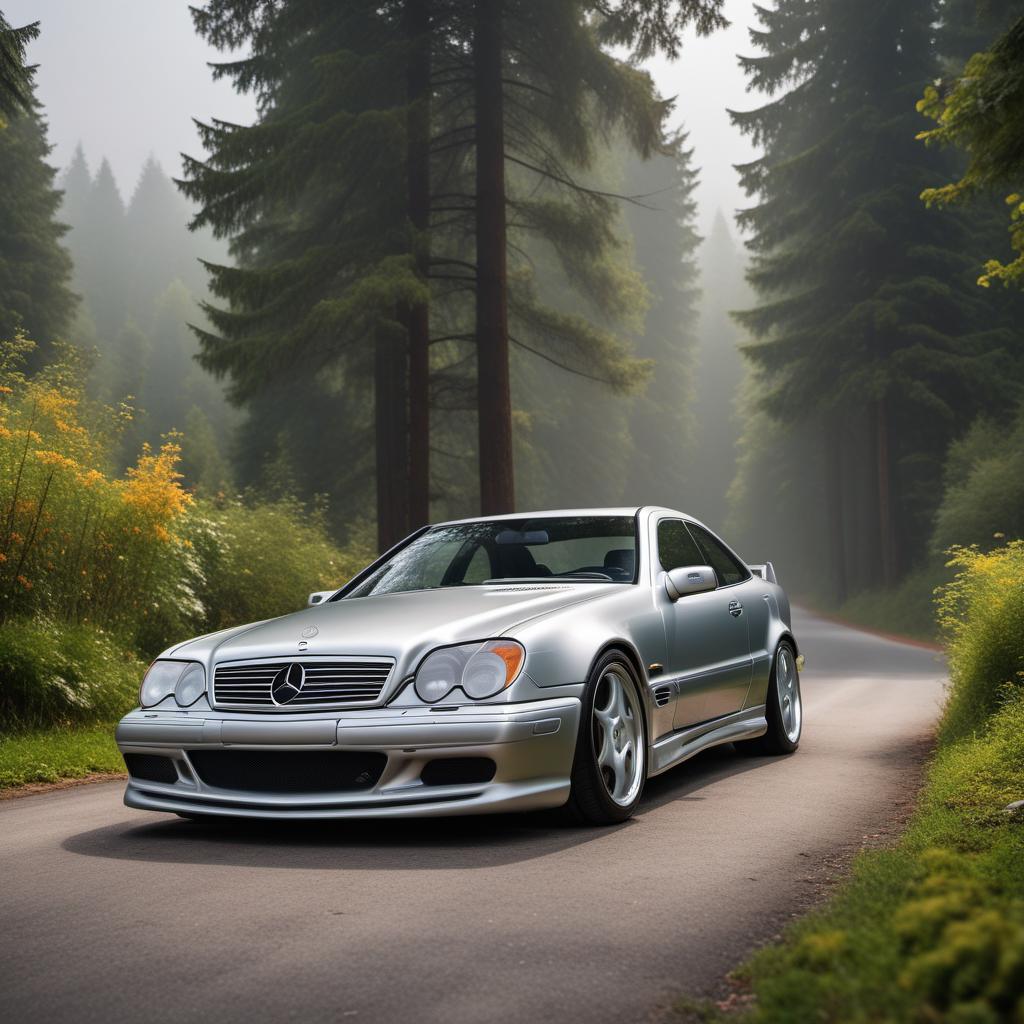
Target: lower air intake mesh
pixel 151 767
pixel 288 771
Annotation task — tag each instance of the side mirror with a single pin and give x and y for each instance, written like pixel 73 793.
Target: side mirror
pixel 319 597
pixel 689 579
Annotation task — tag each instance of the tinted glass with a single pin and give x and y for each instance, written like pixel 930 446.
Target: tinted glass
pixel 584 549
pixel 676 547
pixel 728 568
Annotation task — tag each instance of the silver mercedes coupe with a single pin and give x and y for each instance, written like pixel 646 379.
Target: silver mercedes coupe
pixel 543 660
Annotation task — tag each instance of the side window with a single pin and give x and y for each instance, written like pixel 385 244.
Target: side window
pixel 675 546
pixel 727 567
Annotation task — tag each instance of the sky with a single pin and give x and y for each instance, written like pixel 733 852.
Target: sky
pixel 126 77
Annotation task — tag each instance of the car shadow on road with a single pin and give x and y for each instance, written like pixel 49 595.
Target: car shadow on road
pixel 413 844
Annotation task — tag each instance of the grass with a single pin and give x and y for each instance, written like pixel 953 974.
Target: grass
pixel 932 930
pixel 49 755
pixel 905 610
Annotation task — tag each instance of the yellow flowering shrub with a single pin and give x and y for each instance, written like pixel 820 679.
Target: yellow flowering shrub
pixel 134 553
pixel 76 542
pixel 981 615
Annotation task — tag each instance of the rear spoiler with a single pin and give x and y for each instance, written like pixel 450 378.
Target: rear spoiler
pixel 765 572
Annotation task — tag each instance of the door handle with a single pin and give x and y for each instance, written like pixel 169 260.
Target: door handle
pixel 735 609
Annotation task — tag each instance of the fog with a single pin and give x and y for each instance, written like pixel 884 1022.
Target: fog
pixel 619 347
pixel 126 79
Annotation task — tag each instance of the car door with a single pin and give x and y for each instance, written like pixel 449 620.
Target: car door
pixel 740 594
pixel 706 642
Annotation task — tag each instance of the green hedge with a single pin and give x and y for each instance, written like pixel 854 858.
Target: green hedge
pixel 52 674
pixel 932 931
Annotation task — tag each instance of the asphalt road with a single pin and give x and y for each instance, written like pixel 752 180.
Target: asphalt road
pixel 112 915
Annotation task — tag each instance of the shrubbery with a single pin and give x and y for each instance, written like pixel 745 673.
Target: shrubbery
pixel 933 930
pixel 61 673
pixel 981 615
pixel 97 569
pixel 984 487
pixel 259 561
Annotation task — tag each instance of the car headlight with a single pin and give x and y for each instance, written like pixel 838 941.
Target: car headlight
pixel 480 669
pixel 185 679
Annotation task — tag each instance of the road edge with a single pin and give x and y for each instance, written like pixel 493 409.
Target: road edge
pixel 38 788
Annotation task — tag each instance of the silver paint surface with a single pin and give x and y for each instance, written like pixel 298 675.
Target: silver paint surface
pixel 714 662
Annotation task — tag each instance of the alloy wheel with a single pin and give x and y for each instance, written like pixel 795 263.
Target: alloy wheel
pixel 618 737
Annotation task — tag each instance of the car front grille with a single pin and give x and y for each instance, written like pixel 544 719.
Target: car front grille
pixel 289 771
pixel 334 683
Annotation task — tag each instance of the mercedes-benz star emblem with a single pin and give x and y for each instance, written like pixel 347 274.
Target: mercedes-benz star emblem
pixel 287 684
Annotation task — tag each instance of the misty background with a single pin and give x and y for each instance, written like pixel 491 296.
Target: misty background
pixel 87 51
pixel 740 307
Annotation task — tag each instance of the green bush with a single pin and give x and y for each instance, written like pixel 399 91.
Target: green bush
pixel 77 543
pixel 54 674
pixel 984 490
pixel 933 930
pixel 908 609
pixel 981 615
pixel 97 568
pixel 260 561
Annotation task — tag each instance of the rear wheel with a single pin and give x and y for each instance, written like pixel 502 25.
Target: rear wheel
pixel 610 765
pixel 784 707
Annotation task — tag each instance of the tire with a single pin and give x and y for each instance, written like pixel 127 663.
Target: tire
pixel 784 707
pixel 610 765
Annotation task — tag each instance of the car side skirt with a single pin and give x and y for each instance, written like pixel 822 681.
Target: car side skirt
pixel 682 744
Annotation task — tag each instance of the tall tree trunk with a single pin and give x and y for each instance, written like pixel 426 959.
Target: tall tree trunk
pixel 494 398
pixel 836 509
pixel 390 374
pixel 417 20
pixel 886 533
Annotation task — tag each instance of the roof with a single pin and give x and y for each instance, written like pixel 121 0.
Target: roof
pixel 626 510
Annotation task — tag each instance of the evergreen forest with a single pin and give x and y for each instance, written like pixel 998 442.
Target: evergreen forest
pixel 455 265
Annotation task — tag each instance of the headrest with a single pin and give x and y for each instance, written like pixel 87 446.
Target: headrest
pixel 621 558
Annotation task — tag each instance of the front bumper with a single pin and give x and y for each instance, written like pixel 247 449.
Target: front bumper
pixel 531 744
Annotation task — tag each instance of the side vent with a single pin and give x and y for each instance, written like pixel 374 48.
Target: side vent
pixel 662 695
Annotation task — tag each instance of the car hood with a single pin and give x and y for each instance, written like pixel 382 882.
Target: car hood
pixel 401 626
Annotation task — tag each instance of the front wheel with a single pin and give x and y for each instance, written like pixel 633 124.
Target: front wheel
pixel 610 765
pixel 784 707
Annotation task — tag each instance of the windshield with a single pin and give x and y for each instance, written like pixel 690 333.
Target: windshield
pixel 583 549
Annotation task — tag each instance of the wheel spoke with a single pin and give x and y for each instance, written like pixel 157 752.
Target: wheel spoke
pixel 788 689
pixel 618 737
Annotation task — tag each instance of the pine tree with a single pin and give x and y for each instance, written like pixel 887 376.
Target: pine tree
pixel 102 265
pixel 665 243
pixel 311 197
pixel 34 267
pixel 868 334
pixel 76 186
pixel 546 96
pixel 718 373
pixel 156 234
pixel 16 77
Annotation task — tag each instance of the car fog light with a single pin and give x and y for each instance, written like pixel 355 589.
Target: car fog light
pixel 190 686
